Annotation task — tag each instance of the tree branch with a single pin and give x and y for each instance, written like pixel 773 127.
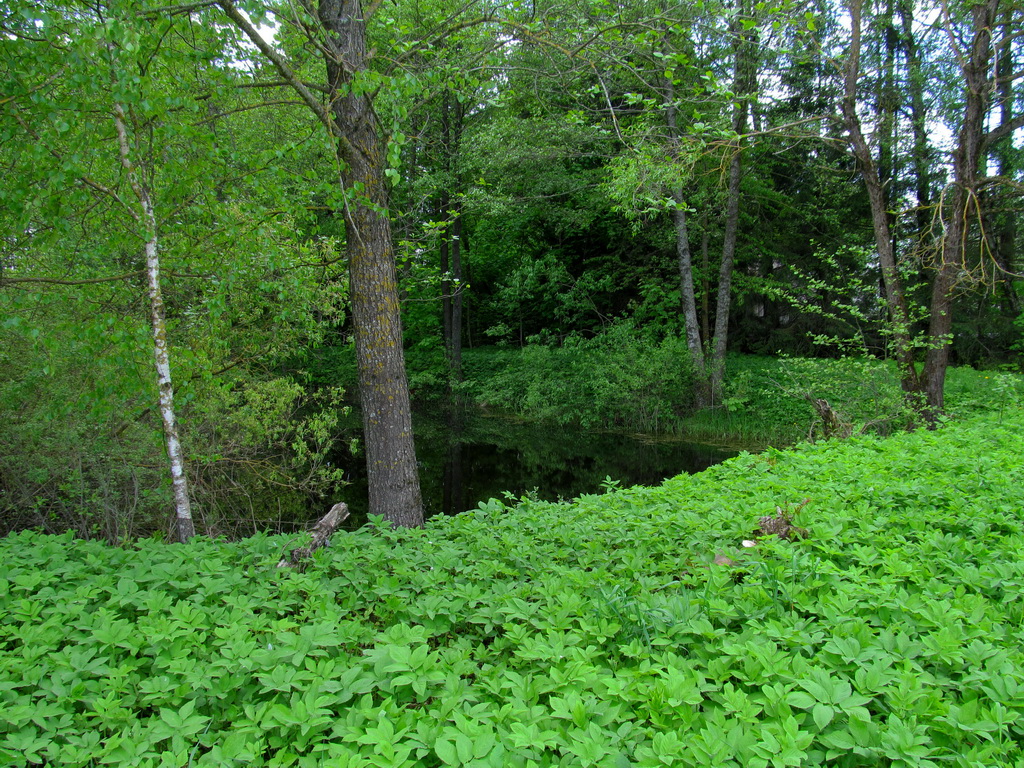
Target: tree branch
pixel 1002 131
pixel 240 21
pixel 176 10
pixel 280 84
pixel 58 281
pixel 249 108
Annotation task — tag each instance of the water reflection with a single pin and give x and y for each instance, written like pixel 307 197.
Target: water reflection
pixel 474 457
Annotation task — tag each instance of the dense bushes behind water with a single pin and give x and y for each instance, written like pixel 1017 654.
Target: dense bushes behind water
pixel 618 379
pixel 624 379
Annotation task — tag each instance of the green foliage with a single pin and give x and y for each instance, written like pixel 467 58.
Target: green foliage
pixel 242 288
pixel 591 634
pixel 622 379
pixel 619 378
pixel 865 394
pixel 80 441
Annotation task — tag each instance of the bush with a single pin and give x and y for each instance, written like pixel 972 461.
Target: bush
pixel 81 447
pixel 618 379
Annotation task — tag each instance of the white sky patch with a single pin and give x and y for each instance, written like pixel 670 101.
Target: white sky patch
pixel 248 57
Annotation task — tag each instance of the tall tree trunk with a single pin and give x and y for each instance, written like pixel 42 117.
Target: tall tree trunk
pixel 452 119
pixel 894 292
pixel 724 302
pixel 394 484
pixel 444 205
pixel 702 389
pixel 147 220
pixel 744 87
pixel 705 294
pixel 921 153
pixel 684 261
pixel 394 487
pixel 964 204
pixel 886 100
pixel 1005 241
pixel 455 349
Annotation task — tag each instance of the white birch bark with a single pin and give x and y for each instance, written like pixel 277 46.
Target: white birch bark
pixel 147 219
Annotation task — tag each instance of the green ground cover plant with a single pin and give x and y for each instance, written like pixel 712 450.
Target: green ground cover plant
pixel 596 633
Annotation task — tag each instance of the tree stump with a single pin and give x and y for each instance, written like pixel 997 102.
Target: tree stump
pixel 320 536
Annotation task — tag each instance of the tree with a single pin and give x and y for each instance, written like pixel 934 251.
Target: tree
pixel 146 219
pixel 109 36
pixel 972 43
pixel 338 29
pixel 139 212
pixel 680 148
pixel 895 297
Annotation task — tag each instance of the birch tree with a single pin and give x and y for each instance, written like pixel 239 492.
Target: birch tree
pixel 145 218
pixel 95 141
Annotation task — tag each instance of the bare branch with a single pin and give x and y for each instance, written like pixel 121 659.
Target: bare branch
pixel 57 281
pixel 176 10
pixel 1002 131
pixel 240 21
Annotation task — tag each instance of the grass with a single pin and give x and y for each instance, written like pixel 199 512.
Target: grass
pixel 599 633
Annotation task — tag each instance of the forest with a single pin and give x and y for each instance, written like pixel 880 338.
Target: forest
pixel 226 227
pixel 247 245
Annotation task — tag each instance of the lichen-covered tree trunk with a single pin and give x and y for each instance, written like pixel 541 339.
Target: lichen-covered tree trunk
pixel 146 218
pixel 394 487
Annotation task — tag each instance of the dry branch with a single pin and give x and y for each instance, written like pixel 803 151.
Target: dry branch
pixel 321 535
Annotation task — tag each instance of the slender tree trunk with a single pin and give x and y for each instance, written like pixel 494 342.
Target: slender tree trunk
pixel 444 205
pixel 684 261
pixel 147 219
pixel 921 153
pixel 886 99
pixel 964 205
pixel 455 350
pixel 702 390
pixel 452 117
pixel 705 261
pixel 724 303
pixel 894 293
pixel 744 86
pixel 1005 241
pixel 394 487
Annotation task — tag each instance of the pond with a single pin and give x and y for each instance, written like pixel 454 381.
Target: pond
pixel 479 456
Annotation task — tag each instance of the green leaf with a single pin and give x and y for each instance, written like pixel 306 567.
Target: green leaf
pixel 801 700
pixel 822 714
pixel 446 752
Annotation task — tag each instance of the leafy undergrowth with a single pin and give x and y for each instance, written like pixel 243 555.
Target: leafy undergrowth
pixel 600 633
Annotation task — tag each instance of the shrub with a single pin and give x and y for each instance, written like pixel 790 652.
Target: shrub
pixel 617 379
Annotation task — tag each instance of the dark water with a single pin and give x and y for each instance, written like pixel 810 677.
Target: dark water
pixel 475 457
